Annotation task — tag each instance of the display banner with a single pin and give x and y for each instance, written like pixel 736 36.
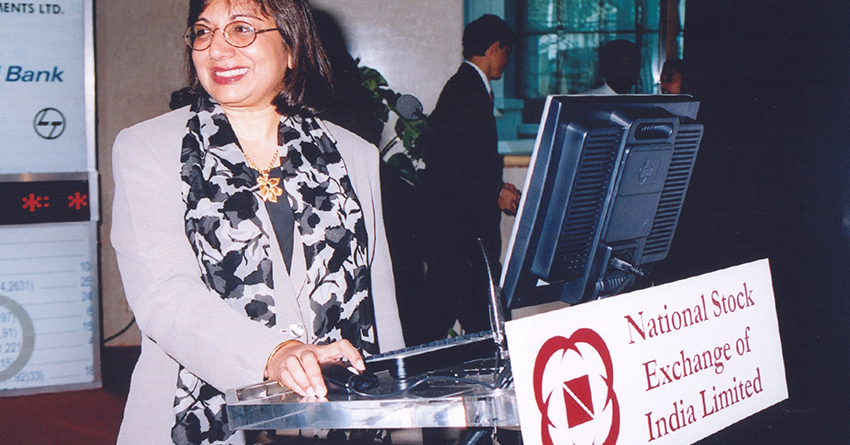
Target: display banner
pixel 49 323
pixel 667 365
pixel 43 75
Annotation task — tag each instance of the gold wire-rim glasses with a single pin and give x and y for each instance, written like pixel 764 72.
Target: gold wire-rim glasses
pixel 237 34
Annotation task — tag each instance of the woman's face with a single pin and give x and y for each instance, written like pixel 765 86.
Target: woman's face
pixel 240 78
pixel 671 82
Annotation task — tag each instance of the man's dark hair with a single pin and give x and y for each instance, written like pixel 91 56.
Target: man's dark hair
pixel 307 85
pixel 613 56
pixel 482 32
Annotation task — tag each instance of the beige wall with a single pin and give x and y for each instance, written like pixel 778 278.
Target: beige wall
pixel 140 60
pixel 414 44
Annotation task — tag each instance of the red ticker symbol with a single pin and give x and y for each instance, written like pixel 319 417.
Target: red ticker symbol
pixel 33 202
pixel 77 200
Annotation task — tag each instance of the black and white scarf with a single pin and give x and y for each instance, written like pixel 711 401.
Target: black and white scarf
pixel 223 222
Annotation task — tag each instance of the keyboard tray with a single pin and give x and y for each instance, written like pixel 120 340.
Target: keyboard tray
pixel 417 360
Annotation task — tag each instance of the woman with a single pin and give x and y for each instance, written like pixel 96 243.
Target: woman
pixel 672 77
pixel 248 233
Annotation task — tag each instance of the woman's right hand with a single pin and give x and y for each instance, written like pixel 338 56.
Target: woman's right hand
pixel 297 365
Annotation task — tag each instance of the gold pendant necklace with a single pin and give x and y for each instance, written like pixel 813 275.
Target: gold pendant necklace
pixel 269 187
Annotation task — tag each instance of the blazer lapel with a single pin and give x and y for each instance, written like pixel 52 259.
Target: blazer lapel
pixel 296 281
pixel 358 172
pixel 289 307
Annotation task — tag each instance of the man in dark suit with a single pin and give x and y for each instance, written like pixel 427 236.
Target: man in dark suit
pixel 619 65
pixel 463 182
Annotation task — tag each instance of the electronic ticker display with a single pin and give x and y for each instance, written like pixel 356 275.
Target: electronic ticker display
pixel 50 201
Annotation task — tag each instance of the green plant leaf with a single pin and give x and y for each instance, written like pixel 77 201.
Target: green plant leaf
pixel 409 130
pixel 404 167
pixel 372 79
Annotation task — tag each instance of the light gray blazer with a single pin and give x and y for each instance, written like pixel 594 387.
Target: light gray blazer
pixel 183 322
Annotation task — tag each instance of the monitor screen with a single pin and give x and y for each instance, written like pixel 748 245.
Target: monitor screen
pixel 602 196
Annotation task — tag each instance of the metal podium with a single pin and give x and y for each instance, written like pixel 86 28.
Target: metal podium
pixel 470 386
pixel 444 400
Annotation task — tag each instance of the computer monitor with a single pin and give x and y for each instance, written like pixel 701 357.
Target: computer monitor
pixel 602 196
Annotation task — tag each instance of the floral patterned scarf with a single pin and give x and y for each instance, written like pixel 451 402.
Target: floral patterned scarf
pixel 224 217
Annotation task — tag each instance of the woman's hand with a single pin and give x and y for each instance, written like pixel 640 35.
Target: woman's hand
pixel 297 365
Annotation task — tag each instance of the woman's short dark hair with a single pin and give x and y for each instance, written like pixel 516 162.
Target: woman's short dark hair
pixel 307 85
pixel 482 32
pixel 675 65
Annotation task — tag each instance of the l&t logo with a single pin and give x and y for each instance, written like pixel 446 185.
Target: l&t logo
pixel 49 123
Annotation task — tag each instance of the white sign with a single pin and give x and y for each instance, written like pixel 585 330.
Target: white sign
pixel 48 307
pixel 667 365
pixel 43 92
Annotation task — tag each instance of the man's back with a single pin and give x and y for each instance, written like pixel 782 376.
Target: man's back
pixel 462 185
pixel 464 170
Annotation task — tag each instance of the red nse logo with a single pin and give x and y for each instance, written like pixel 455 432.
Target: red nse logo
pixel 578 371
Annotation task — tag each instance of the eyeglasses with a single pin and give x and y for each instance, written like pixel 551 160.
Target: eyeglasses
pixel 237 34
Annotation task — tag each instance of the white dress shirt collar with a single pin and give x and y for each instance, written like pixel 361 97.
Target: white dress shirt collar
pixel 483 77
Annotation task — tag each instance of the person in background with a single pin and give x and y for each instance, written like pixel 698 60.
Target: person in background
pixel 672 77
pixel 465 192
pixel 249 233
pixel 619 65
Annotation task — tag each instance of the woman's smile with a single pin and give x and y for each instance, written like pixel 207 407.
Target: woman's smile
pixel 224 76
